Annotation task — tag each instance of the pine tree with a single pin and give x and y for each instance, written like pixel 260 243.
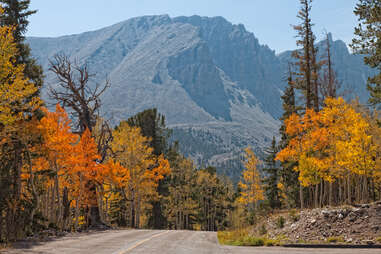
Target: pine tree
pixel 307 76
pixel 272 178
pixel 288 177
pixel 368 42
pixel 303 56
pixel 16 14
pixel 152 125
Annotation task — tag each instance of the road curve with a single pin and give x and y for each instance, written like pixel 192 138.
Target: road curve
pixel 155 241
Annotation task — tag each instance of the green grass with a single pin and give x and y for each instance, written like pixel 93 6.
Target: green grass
pixel 272 242
pixel 378 239
pixel 243 238
pixel 335 240
pixel 239 238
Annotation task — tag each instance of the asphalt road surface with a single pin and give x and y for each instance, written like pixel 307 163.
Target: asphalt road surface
pixel 152 241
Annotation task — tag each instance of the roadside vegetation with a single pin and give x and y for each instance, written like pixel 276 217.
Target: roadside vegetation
pixel 329 154
pixel 67 169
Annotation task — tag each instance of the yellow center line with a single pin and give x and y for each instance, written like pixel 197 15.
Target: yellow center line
pixel 142 241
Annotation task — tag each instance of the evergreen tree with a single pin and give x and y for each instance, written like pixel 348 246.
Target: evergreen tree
pixel 368 42
pixel 288 177
pixel 272 178
pixel 152 125
pixel 307 76
pixel 16 14
pixel 308 67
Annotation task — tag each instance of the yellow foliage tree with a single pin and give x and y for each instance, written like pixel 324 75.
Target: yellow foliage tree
pixel 250 185
pixel 136 171
pixel 16 91
pixel 17 135
pixel 335 143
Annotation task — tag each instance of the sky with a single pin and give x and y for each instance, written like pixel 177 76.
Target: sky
pixel 269 20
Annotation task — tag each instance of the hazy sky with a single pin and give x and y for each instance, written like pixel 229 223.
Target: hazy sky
pixel 269 20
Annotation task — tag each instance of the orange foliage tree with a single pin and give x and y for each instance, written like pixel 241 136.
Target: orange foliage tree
pixel 69 161
pixel 330 145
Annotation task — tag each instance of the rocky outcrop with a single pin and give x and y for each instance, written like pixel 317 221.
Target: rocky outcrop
pixel 360 224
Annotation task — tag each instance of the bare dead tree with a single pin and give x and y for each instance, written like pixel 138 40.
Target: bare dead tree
pixel 329 83
pixel 103 138
pixel 75 91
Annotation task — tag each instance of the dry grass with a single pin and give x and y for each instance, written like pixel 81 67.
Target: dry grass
pixel 243 238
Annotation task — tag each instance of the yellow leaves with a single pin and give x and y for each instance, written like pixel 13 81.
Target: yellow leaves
pixel 134 167
pixel 252 190
pixel 330 144
pixel 16 92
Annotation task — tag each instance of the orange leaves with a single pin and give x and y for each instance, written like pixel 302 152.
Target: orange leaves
pixel 330 144
pixel 58 140
pixel 116 174
pixel 72 162
pixel 71 159
pixel 85 156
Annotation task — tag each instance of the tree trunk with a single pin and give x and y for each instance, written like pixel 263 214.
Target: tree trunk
pixel 330 194
pixel 349 196
pixel 301 196
pixel 77 210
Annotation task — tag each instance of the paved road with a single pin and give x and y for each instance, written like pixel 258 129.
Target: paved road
pixel 151 241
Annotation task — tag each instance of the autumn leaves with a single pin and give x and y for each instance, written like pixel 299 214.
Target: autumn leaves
pixel 133 169
pixel 71 163
pixel 50 172
pixel 251 184
pixel 336 143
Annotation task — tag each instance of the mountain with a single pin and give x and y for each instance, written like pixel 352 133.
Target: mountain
pixel 218 87
pixel 350 69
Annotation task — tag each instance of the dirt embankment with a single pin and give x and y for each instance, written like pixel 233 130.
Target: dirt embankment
pixel 360 224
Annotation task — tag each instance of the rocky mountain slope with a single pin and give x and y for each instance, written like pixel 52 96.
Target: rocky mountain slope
pixel 217 85
pixel 350 70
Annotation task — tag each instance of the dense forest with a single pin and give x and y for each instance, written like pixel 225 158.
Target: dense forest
pixel 66 168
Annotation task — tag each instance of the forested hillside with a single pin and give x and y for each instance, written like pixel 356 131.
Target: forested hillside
pixel 214 82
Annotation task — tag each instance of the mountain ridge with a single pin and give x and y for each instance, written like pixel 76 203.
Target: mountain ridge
pixel 217 85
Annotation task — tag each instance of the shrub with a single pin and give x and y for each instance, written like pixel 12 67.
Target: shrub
pixel 378 239
pixel 262 230
pixel 294 217
pixel 271 242
pixel 335 239
pixel 239 238
pixel 280 222
pixel 253 241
